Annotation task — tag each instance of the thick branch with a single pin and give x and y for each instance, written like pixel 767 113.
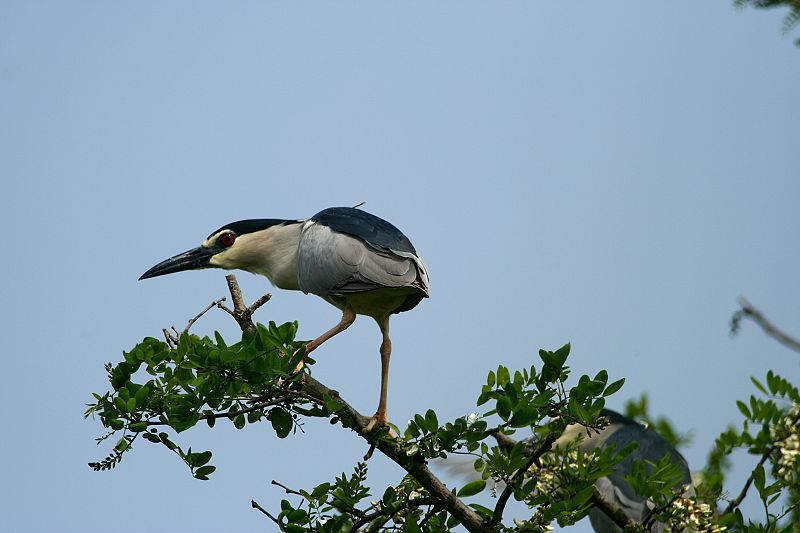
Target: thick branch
pixel 748 311
pixel 613 512
pixel 440 494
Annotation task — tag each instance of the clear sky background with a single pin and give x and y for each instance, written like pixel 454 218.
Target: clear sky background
pixel 610 174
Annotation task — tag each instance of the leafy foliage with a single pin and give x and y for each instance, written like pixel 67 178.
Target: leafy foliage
pixel 203 380
pixel 158 392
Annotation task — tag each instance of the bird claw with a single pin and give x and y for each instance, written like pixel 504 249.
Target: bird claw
pixel 378 419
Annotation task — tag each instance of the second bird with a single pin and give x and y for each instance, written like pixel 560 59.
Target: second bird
pixel 358 262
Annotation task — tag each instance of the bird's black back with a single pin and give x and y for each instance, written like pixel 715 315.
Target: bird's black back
pixel 371 229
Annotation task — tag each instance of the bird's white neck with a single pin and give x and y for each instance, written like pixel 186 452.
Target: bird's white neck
pixel 271 252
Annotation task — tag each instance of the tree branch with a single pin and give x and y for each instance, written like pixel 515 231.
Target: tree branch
pixel 738 500
pixel 255 505
pixel 748 311
pixel 540 448
pixel 241 313
pixel 350 418
pixel 388 512
pixel 191 322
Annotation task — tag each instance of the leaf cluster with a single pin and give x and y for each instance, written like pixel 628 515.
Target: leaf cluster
pixel 158 392
pixel 203 379
pixel 770 431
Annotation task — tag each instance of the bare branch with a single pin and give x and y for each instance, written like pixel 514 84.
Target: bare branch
pixel 748 311
pixel 191 322
pixel 287 489
pixel 255 505
pixel 172 340
pixel 241 313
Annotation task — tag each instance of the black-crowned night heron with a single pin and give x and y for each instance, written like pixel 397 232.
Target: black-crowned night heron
pixel 358 262
pixel 620 432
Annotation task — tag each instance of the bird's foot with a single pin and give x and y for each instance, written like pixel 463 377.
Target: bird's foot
pixel 378 419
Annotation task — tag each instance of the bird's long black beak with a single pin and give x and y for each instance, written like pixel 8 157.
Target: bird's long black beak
pixel 191 260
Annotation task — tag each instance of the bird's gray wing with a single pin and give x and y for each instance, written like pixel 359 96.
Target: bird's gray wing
pixel 331 263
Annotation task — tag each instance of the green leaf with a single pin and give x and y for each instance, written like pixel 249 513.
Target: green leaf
pixel 410 526
pixel 743 408
pixel 204 472
pixel 614 387
pixel 759 478
pixel 321 490
pixel 282 421
pixel 138 427
pixel 142 395
pixel 485 512
pixel 503 376
pixel 389 496
pixel 431 421
pixel 220 340
pixel 471 489
pixel 332 405
pixel 758 385
pixel 524 417
pixel 198 459
pixel 504 407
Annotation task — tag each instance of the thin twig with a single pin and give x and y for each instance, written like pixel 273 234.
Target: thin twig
pixel 241 313
pixel 233 414
pixel 738 500
pixel 748 311
pixel 255 505
pixel 172 341
pixel 204 311
pixel 369 453
pixel 541 448
pixel 388 512
pixel 287 489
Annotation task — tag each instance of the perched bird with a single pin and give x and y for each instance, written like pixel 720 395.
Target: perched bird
pixel 620 432
pixel 356 261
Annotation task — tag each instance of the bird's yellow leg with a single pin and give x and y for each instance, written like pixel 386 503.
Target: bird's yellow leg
pixel 348 317
pixel 380 418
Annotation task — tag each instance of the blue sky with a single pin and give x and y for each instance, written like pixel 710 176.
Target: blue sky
pixel 614 176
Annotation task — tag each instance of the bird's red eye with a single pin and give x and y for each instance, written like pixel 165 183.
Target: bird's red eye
pixel 227 239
